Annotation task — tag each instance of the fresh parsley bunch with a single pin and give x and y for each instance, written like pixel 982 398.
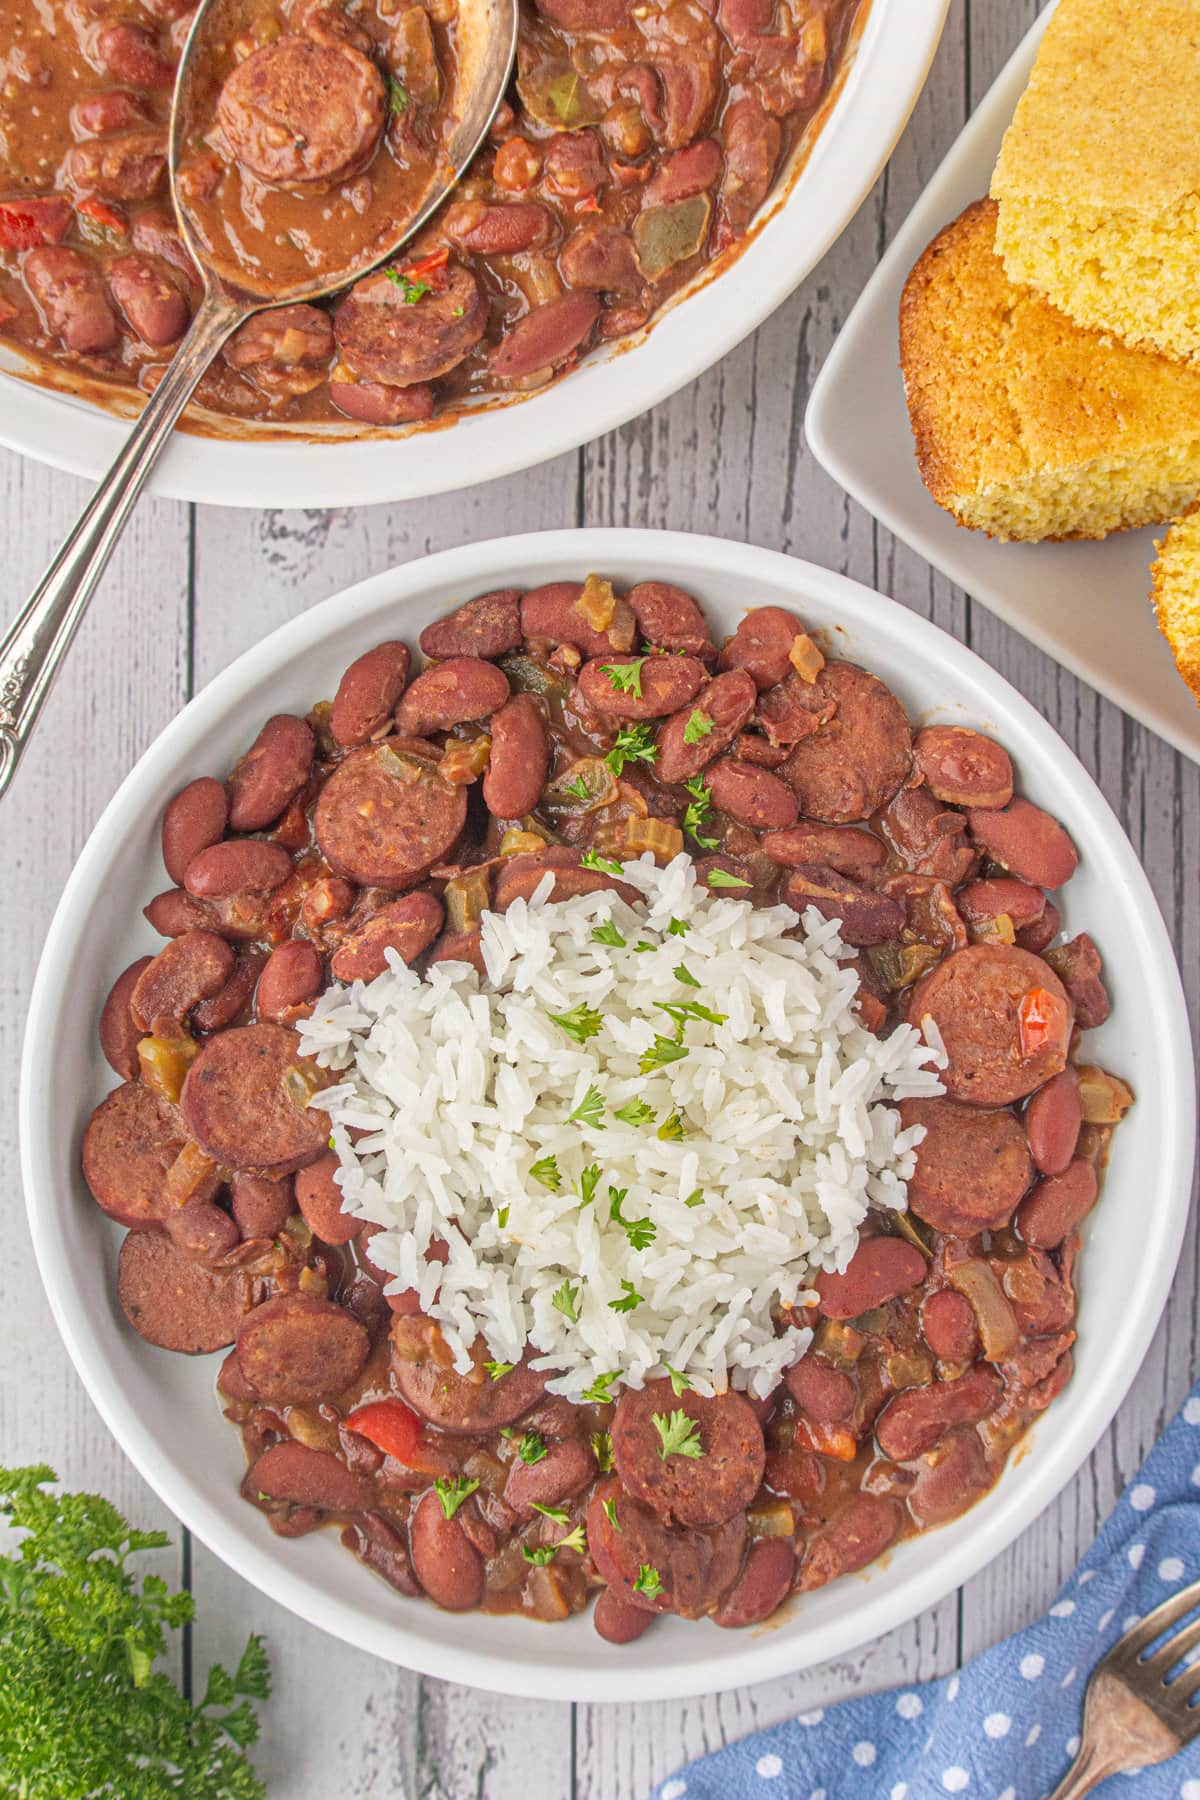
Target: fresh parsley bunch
pixel 82 1712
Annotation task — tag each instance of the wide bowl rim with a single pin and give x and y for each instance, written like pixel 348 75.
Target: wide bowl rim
pixel 615 385
pixel 891 1595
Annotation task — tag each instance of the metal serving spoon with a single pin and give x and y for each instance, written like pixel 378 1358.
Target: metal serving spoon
pixel 34 648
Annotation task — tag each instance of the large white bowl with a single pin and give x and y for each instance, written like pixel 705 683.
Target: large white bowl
pixel 614 384
pixel 161 1407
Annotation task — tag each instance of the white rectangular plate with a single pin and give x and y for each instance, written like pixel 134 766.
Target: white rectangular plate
pixel 1086 604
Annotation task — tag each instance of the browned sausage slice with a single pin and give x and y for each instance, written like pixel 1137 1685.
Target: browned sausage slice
pixel 639 687
pixel 695 1568
pixel 131 1141
pixel 972 1166
pixel 519 760
pixel 298 113
pixel 175 1302
pixel 383 338
pixel 239 1102
pixel 119 1030
pixel 368 692
pixel 407 926
pixel 271 773
pixel 1004 1018
pixel 320 1201
pixel 696 1490
pixel 487 626
pixel 453 693
pixel 297 1348
pixel 963 767
pixel 881 1269
pixel 187 970
pixel 425 1375
pixel 854 762
pixel 385 817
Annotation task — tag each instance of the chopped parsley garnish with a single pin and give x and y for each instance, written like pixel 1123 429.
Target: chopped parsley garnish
pixel 682 973
pixel 578 789
pixel 574 1540
pixel 496 1370
pixel 589 1110
pixel 626 678
pixel 588 1179
pixel 599 1393
pixel 640 1232
pixel 697 727
pixel 648 1581
pixel 559 1514
pixel 635 1112
pixel 452 1493
pixel 635 743
pixel 677 928
pixel 721 878
pixel 608 934
pixel 663 1050
pixel 539 1556
pixel 566 1301
pixel 397 95
pixel 502 1217
pixel 602 1450
pixel 629 1296
pixel 610 1513
pixel 679 1381
pixel 546 1171
pixel 644 944
pixel 671 1129
pixel 532 1447
pixel 592 859
pixel 678 1435
pixel 696 813
pixel 583 1021
pixel 458 312
pixel 680 1011
pixel 695 1198
pixel 412 290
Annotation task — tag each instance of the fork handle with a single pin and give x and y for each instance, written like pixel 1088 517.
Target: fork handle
pixel 1092 1766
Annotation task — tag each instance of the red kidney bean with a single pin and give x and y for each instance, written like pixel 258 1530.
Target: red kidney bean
pixel 497 230
pixel 881 1269
pixel 130 1143
pixel 826 1394
pixel 963 767
pixel 130 167
pixel 848 851
pixel 407 926
pixel 686 172
pixel 193 820
pixel 487 626
pixel 72 297
pixel 378 403
pixel 724 706
pixel 864 916
pixel 950 1327
pixel 309 1477
pixel 1040 935
pixel 130 53
pixel 447 1565
pixel 229 1003
pixel 320 1200
pixel 100 114
pixel 454 692
pixel 189 969
pixel 800 1474
pixel 460 946
pixel 669 618
pixel 752 144
pixel 950 1479
pixel 326 900
pixel 177 1303
pixel 763 1585
pixel 585 15
pixel 663 684
pixel 749 747
pixel 1057 1205
pixel 518 877
pixel 762 645
pixel 237 866
pixel 295 1348
pixel 1026 841
pixel 565 1470
pixel 282 346
pixel 552 613
pixel 201 1230
pixel 752 796
pixel 617 1621
pixel 292 975
pixel 601 258
pixel 119 1030
pixel 174 912
pixel 367 693
pixel 153 306
pixel 855 1536
pixel 154 229
pixel 574 165
pixel 1052 1121
pixel 545 337
pixel 1077 965
pixel 261 1207
pixel 519 760
pixel 918 1418
pixel 231 1383
pixel 271 773
pixel 972 1166
pixel 982 900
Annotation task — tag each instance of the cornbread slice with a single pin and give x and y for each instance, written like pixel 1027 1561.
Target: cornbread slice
pixel 1099 175
pixel 1026 425
pixel 1176 595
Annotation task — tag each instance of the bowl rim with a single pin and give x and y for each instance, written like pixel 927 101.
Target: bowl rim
pixel 615 384
pixel 872 1609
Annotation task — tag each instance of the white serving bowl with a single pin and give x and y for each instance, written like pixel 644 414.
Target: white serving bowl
pixel 615 383
pixel 162 1407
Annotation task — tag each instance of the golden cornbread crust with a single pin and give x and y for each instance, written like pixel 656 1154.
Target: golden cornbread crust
pixel 1098 177
pixel 1176 594
pixel 1026 425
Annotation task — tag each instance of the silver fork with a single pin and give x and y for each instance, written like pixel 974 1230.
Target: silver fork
pixel 1133 1716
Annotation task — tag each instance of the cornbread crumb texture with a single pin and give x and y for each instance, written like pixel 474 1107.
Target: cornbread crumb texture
pixel 1176 595
pixel 1098 178
pixel 1026 425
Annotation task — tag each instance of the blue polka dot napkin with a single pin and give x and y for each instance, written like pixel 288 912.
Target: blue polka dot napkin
pixel 1006 1726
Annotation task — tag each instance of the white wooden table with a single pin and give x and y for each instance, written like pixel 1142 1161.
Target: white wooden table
pixel 189 590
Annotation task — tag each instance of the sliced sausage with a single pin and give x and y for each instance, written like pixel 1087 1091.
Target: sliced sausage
pixel 241 1108
pixel 826 1394
pixel 1057 1205
pixel 670 618
pixel 367 694
pixel 130 1143
pixel 972 1166
pixel 71 295
pixel 488 626
pixel 950 1327
pixel 699 733
pixel 660 685
pixel 762 645
pixel 763 1585
pixel 918 1418
pixel 130 167
pixel 1004 1018
pixel 299 114
pixel 462 689
pixel 292 975
pixel 855 1536
pixel 447 1564
pixel 1077 965
pixel 119 1030
pixel 407 926
pixel 154 308
pixel 519 876
pixel 1026 841
pixel 383 338
pixel 271 773
pixel 616 1621
pixel 237 866
pixel 552 613
pixel 309 1477
pixel 697 1491
pixel 881 1269
pixel 497 230
pixel 545 337
pixel 951 1478
pixel 854 762
pixel 563 1472
pixel 963 767
pixel 384 818
pixel 229 1003
pixel 177 1303
pixel 695 1568
pixel 474 1403
pixel 752 796
pixel 1053 1119
pixel 187 970
pixel 864 916
pixel 296 1348
pixel 856 854
pixel 519 760
pixel 261 1207
pixel 320 1201
pixel 193 819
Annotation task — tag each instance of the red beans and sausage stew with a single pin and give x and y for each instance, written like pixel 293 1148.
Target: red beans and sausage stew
pixel 635 148
pixel 559 730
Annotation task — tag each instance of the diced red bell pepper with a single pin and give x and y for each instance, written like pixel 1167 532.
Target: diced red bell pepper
pixel 391 1426
pixel 430 269
pixel 1041 1018
pixel 110 218
pixel 837 1441
pixel 30 224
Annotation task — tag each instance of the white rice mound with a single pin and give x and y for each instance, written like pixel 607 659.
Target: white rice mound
pixel 462 1086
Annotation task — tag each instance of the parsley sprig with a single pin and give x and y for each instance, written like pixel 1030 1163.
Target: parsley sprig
pixel 678 1435
pixel 546 1171
pixel 648 1581
pixel 698 726
pixel 640 1232
pixel 606 865
pixel 697 812
pixel 626 677
pixel 581 1022
pixel 451 1492
pixel 634 743
pixel 629 1299
pixel 589 1110
pixel 566 1301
